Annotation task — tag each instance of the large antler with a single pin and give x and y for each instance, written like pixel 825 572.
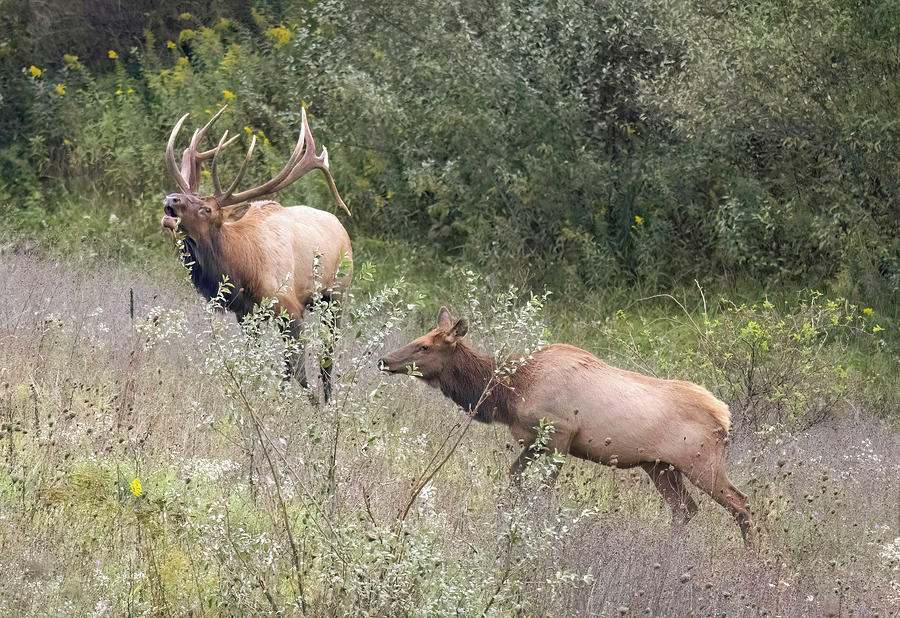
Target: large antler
pixel 295 168
pixel 188 177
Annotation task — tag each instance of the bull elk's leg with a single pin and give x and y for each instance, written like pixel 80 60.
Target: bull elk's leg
pixel 296 368
pixel 326 363
pixel 521 462
pixel 670 484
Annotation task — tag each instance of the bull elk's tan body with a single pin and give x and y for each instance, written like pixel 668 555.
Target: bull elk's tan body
pixel 600 413
pixel 265 249
pixel 270 252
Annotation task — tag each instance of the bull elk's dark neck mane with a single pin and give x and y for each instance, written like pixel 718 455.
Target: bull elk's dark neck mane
pixel 465 380
pixel 203 259
pixel 202 271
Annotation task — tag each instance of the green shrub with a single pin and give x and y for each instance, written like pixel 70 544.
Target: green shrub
pixel 793 365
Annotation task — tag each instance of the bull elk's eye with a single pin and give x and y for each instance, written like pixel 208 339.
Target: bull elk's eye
pixel 205 210
pixel 424 348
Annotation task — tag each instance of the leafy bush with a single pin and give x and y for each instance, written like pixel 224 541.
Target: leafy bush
pixel 598 144
pixel 793 365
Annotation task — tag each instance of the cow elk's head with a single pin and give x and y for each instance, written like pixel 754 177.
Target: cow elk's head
pixel 431 353
pixel 195 214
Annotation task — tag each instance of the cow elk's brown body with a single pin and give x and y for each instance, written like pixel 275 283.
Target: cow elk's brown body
pixel 265 250
pixel 614 417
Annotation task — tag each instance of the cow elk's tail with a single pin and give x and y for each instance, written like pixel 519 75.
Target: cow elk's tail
pixel 716 408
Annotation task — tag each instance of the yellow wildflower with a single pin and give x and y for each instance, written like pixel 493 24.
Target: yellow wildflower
pixel 280 35
pixel 877 329
pixel 61 88
pixel 639 220
pixel 35 72
pixel 136 488
pixel 70 60
pixel 118 92
pixel 248 129
pixel 112 54
pixel 868 311
pixel 208 111
pixel 228 94
pixel 170 44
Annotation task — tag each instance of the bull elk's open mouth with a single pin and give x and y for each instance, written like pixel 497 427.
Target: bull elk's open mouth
pixel 170 220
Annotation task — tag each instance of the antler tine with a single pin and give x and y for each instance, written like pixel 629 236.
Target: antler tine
pixel 213 151
pixel 170 157
pixel 295 169
pixel 225 199
pixel 215 177
pixel 311 161
pixel 228 199
pixel 190 160
pixel 331 185
pixel 190 167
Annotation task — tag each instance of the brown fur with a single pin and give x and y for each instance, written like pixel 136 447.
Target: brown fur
pixel 611 416
pixel 266 250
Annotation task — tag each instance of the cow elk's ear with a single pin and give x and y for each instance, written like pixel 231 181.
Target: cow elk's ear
pixel 445 320
pixel 457 331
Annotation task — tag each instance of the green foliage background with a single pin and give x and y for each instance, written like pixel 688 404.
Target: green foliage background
pixel 588 144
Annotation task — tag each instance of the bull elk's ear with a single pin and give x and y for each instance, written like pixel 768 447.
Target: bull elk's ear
pixel 445 320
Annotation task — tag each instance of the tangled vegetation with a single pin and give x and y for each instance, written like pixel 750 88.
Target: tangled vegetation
pixel 161 465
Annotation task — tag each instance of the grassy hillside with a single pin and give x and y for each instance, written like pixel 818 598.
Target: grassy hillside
pixel 151 465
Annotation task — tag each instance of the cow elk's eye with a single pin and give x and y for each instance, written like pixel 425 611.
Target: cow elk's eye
pixel 424 348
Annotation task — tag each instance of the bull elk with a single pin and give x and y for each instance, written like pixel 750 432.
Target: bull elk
pixel 265 249
pixel 610 416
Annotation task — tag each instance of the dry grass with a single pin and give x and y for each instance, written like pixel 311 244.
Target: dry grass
pixel 88 403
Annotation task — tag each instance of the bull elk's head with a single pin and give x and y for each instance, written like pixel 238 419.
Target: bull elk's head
pixel 195 214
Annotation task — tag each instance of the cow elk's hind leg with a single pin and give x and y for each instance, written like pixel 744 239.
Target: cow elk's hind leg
pixel 670 484
pixel 712 479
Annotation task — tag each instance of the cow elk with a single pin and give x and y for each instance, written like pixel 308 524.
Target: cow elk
pixel 671 429
pixel 267 251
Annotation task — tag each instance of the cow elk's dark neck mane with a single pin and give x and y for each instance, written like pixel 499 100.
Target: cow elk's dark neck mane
pixel 465 379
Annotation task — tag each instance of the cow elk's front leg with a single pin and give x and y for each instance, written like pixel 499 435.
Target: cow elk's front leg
pixel 558 443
